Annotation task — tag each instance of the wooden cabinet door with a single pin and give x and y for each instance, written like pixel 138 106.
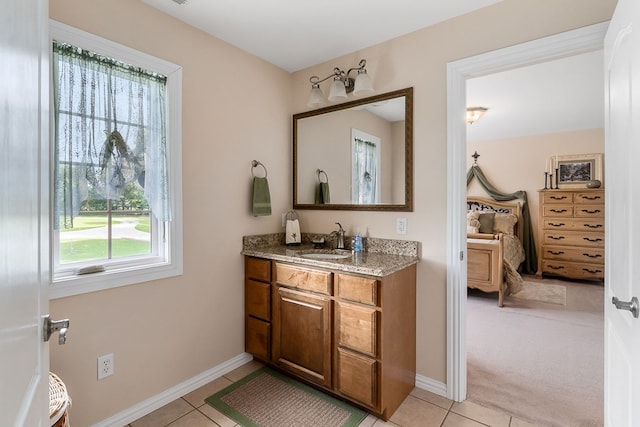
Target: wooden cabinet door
pixel 302 334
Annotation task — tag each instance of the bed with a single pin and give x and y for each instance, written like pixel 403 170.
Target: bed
pixel 494 248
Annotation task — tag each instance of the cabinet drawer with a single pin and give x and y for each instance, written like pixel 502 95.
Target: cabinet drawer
pixel 356 327
pixel 563 211
pixel 304 278
pixel 576 271
pixel 257 299
pixel 576 224
pixel 257 337
pixel 568 253
pixel 558 197
pixel 359 289
pixel 595 239
pixel 358 377
pixel 257 268
pixel 591 197
pixel 589 211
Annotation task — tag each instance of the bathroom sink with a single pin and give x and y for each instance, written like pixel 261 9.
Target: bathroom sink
pixel 324 254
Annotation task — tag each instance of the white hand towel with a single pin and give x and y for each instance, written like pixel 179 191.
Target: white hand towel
pixel 292 232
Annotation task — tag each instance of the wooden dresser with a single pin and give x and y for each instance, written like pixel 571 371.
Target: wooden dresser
pixel 571 233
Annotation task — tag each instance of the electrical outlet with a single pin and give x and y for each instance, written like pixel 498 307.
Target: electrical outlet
pixel 105 366
pixel 401 225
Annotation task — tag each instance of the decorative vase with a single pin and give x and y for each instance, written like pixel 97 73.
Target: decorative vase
pixel 594 183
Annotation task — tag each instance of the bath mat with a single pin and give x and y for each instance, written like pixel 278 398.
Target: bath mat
pixel 266 398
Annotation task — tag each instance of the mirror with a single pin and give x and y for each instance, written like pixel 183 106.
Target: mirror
pixel 355 156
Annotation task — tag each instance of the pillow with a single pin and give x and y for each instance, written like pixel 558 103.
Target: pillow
pixel 473 225
pixel 504 223
pixel 486 222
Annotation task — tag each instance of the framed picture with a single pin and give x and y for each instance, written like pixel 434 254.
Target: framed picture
pixel 574 171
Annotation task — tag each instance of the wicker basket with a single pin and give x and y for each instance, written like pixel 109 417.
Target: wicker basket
pixel 58 402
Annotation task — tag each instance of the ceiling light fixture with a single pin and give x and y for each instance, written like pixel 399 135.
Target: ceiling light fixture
pixel 474 114
pixel 342 85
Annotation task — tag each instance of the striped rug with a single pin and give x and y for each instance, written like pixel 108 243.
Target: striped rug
pixel 266 398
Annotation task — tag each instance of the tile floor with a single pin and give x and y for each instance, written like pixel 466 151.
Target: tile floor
pixel 420 409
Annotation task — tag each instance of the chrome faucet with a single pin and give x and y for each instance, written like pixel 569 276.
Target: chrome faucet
pixel 340 234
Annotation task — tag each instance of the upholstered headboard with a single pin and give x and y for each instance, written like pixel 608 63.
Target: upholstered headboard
pixel 484 204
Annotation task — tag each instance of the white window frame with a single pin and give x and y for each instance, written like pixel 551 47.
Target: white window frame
pixel 169 263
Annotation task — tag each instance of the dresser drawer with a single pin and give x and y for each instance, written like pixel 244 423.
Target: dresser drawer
pixel 590 197
pixel 576 271
pixel 257 268
pixel 355 288
pixel 304 278
pixel 557 197
pixel 573 238
pixel 589 211
pixel 568 253
pixel 258 338
pixel 562 211
pixel 356 327
pixel 576 224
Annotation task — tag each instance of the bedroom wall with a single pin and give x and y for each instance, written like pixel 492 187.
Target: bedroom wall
pixel 165 332
pixel 518 163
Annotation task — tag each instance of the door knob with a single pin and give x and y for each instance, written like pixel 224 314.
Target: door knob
pixel 632 305
pixel 51 326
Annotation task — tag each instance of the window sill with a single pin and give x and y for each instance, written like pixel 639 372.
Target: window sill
pixel 71 284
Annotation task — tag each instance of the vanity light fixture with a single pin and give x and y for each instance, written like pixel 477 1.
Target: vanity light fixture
pixel 474 114
pixel 342 85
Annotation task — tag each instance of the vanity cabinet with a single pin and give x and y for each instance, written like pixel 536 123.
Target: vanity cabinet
pixel 348 334
pixel 571 233
pixel 257 306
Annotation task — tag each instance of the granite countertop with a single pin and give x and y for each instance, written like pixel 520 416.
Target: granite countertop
pixel 381 258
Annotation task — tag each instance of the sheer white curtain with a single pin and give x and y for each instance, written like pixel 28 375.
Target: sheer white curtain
pixel 365 171
pixel 110 131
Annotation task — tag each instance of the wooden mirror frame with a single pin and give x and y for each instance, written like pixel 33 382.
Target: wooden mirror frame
pixel 408 154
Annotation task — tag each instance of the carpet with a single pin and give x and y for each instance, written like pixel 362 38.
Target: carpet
pixel 543 363
pixel 266 398
pixel 543 292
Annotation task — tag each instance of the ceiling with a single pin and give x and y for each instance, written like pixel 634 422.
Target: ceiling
pixel 296 34
pixel 556 96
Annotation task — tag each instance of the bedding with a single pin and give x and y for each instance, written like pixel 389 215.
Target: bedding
pixel 495 252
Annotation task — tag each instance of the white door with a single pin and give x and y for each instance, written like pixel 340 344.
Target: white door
pixel 24 357
pixel 622 173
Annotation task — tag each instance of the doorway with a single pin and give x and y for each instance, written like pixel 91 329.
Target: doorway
pixel 566 44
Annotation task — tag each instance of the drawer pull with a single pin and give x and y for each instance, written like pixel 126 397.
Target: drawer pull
pixel 555 267
pixel 560 224
pixel 556 252
pixel 593 226
pixel 592 271
pixel 588 239
pixel 557 197
pixel 595 211
pixel 557 237
pixel 592 256
pixel 558 210
pixel 590 197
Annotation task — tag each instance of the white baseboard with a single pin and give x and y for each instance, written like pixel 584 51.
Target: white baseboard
pixel 428 384
pixel 149 405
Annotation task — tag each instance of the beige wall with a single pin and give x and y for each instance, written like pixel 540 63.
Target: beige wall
pixel 420 60
pixel 235 108
pixel 519 163
pixel 167 331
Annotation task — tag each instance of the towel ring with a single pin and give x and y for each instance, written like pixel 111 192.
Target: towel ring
pixel 326 177
pixel 255 164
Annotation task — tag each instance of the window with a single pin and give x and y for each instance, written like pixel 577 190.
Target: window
pixel 365 164
pixel 116 156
